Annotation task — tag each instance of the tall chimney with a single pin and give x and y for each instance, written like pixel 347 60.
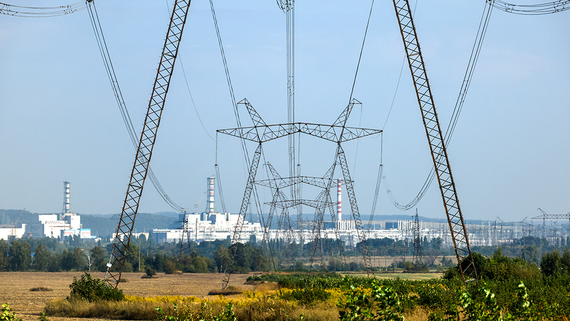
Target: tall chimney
pixel 210 200
pixel 339 201
pixel 66 202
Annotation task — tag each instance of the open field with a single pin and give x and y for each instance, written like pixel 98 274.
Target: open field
pixel 28 305
pixel 403 276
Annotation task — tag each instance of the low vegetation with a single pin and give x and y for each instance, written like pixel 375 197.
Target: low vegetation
pixel 41 289
pixel 508 289
pixel 92 290
pixel 6 314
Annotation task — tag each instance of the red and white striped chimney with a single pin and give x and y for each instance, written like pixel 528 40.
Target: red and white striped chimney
pixel 210 200
pixel 339 201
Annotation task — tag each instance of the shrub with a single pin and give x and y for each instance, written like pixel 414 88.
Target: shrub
pixel 6 314
pixel 41 289
pixel 150 272
pixel 169 267
pixel 92 290
pixel 306 296
pixel 381 303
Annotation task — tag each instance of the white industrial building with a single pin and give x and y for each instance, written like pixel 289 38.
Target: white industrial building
pixel 207 226
pixel 62 225
pixel 8 232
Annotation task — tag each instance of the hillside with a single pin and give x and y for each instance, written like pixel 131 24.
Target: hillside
pixel 100 225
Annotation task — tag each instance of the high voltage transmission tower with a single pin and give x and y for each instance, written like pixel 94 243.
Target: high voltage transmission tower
pixel 337 133
pixel 418 257
pixel 146 143
pixel 435 140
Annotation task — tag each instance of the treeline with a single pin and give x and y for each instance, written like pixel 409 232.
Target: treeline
pixel 49 255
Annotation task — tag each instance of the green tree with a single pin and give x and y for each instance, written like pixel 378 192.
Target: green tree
pixel 551 263
pixel 531 253
pixel 98 259
pixel 221 257
pixel 133 257
pixel 20 255
pixel 565 262
pixel 4 264
pixel 42 258
pixel 73 260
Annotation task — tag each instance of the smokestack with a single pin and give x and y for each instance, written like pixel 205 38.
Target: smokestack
pixel 66 202
pixel 339 201
pixel 210 200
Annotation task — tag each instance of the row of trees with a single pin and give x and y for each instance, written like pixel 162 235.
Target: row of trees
pixel 20 255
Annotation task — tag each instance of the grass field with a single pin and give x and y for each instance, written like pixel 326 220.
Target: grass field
pixel 28 305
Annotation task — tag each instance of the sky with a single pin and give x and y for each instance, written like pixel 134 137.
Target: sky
pixel 59 120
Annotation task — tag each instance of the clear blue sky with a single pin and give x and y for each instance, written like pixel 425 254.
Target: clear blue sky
pixel 59 120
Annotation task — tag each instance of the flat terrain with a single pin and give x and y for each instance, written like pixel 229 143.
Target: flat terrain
pixel 403 276
pixel 28 305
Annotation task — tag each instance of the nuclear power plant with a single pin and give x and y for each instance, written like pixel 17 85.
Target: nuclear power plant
pixel 64 224
pixel 211 225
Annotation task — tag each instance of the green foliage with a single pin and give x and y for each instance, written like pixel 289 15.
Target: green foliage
pixel 484 308
pixel 42 258
pixel 73 260
pixel 150 272
pixel 98 259
pixel 20 255
pixel 382 303
pixel 169 267
pixel 222 258
pixel 4 265
pixel 499 268
pixel 307 295
pixel 92 290
pixel 43 317
pixel 553 264
pixel 6 314
pixel 324 280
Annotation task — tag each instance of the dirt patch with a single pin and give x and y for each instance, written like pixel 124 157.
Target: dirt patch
pixel 28 305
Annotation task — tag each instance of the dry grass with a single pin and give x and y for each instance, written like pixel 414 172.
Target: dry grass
pixel 28 305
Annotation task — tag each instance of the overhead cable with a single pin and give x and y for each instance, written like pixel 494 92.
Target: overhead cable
pixel 105 55
pixel 533 9
pixel 40 12
pixel 232 96
pixel 473 59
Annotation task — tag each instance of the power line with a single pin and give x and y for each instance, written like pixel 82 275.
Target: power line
pixel 532 9
pixel 42 12
pixel 107 62
pixel 473 59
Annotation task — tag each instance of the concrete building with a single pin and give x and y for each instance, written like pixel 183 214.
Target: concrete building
pixel 8 232
pixel 58 225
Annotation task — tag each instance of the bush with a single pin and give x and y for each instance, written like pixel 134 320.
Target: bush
pixel 306 296
pixel 169 267
pixel 92 290
pixel 150 272
pixel 6 314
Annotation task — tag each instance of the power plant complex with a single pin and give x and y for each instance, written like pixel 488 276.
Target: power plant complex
pixel 211 225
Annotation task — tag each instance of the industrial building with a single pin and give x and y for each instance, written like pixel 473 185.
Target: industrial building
pixel 8 232
pixel 61 225
pixel 208 225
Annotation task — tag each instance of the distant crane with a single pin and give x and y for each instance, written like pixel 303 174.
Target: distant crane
pixel 546 216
